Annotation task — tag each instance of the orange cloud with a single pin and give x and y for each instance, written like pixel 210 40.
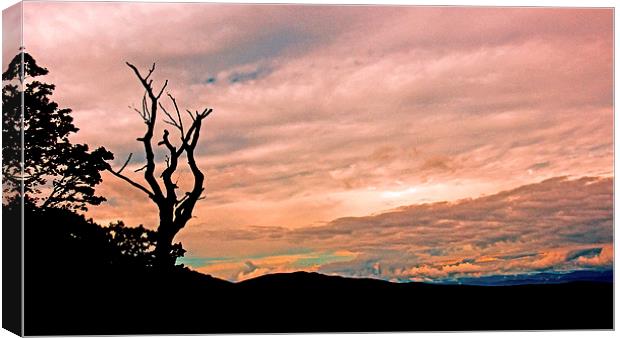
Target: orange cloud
pixel 323 112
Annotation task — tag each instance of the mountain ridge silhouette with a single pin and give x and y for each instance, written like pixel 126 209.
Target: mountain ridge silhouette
pixel 189 302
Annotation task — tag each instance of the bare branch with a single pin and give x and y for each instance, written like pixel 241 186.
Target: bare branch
pixel 140 169
pixel 205 112
pixel 146 84
pixel 162 89
pixel 136 110
pixel 171 166
pixel 150 71
pixel 128 180
pixel 136 70
pixel 171 120
pixel 171 123
pixel 124 165
pixel 190 114
pixel 146 139
pixel 176 107
pixel 184 211
pixel 165 141
pixel 146 115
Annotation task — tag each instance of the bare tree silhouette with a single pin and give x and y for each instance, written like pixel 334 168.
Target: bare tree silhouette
pixel 174 211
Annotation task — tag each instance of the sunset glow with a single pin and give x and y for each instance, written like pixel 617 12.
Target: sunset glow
pixel 402 143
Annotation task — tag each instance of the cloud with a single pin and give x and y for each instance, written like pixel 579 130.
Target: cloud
pixel 587 253
pixel 236 270
pixel 250 267
pixel 558 224
pixel 330 111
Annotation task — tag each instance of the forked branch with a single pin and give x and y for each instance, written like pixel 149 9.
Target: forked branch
pixel 174 213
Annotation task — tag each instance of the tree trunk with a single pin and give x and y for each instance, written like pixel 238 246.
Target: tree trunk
pixel 165 235
pixel 163 257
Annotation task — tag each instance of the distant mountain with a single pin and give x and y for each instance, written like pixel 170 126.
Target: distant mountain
pixel 536 278
pixel 303 279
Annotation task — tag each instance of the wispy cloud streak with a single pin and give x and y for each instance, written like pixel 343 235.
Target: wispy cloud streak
pixel 330 111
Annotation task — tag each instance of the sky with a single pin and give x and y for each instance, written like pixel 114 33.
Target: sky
pixel 402 143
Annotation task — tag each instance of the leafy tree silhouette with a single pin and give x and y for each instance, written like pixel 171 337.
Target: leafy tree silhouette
pixel 174 211
pixel 81 246
pixel 54 167
pixel 59 179
pixel 136 245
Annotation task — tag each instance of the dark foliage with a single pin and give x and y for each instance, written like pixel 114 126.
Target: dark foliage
pixel 79 245
pixel 65 173
pixel 73 264
pixel 136 245
pixel 14 70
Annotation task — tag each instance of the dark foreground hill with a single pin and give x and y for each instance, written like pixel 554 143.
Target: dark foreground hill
pixel 188 302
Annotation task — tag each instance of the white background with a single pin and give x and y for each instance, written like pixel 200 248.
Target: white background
pixel 563 3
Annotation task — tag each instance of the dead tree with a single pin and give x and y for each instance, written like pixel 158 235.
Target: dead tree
pixel 174 211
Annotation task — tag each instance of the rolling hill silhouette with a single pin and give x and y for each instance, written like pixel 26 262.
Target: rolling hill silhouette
pixel 187 302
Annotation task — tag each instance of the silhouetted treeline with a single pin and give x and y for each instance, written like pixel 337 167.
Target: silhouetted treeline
pixel 75 267
pixel 67 240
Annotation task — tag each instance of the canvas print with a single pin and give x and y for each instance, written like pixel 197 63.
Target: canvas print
pixel 198 168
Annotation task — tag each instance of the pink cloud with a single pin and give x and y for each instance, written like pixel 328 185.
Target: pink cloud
pixel 338 110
